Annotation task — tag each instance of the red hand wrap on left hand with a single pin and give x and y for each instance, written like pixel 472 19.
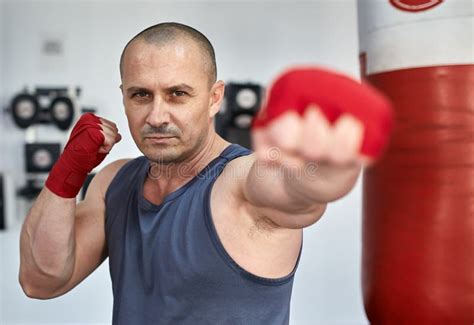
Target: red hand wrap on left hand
pixel 334 94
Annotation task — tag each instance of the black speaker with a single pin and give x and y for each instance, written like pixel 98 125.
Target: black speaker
pixel 62 112
pixel 241 105
pixel 45 106
pixel 40 157
pixel 239 136
pixel 25 110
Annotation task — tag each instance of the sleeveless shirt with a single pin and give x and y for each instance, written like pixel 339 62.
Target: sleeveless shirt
pixel 167 263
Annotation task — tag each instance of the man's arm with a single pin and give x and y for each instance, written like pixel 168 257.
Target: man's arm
pixel 296 197
pixel 62 243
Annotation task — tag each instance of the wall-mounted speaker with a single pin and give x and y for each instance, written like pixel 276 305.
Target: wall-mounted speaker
pixel 40 157
pixel 241 104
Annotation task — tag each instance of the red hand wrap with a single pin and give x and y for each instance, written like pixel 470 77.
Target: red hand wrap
pixel 79 157
pixel 335 94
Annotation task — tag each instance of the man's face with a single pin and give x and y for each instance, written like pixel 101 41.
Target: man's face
pixel 168 100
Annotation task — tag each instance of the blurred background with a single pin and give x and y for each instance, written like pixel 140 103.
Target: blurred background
pixel 60 58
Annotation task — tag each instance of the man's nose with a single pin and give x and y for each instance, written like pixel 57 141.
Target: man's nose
pixel 159 113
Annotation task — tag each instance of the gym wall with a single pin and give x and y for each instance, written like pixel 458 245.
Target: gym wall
pixel 2 245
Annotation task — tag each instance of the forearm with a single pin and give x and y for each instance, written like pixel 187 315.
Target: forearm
pixel 47 243
pixel 321 182
pixel 300 189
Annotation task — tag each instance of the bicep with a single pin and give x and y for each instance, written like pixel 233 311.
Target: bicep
pixel 90 242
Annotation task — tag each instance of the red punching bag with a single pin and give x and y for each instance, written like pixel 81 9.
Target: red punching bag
pixel 418 201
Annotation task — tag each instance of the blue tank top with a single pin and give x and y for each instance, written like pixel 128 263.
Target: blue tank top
pixel 167 263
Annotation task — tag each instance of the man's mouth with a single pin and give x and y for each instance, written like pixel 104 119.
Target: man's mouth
pixel 159 139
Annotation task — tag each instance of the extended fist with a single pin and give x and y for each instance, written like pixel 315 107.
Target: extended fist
pixel 317 115
pixel 90 141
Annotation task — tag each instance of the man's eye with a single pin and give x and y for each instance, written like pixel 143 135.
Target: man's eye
pixel 140 94
pixel 179 93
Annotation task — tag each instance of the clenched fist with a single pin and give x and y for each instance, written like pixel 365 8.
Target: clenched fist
pixel 90 141
pixel 313 114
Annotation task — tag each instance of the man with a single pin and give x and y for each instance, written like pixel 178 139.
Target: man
pixel 197 231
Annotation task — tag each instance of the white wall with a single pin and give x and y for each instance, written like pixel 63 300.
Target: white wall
pixel 2 258
pixel 253 42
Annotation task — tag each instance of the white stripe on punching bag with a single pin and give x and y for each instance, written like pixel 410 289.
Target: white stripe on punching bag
pixel 394 39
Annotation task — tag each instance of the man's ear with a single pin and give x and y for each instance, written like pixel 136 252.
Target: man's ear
pixel 123 94
pixel 217 95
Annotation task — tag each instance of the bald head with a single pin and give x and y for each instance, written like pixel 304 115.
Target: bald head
pixel 166 33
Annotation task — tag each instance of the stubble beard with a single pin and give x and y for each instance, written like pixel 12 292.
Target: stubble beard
pixel 174 153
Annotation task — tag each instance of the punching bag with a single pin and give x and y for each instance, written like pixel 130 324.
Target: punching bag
pixel 418 201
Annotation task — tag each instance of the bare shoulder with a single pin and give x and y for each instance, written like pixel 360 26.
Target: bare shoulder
pixel 112 168
pixel 235 173
pixel 101 181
